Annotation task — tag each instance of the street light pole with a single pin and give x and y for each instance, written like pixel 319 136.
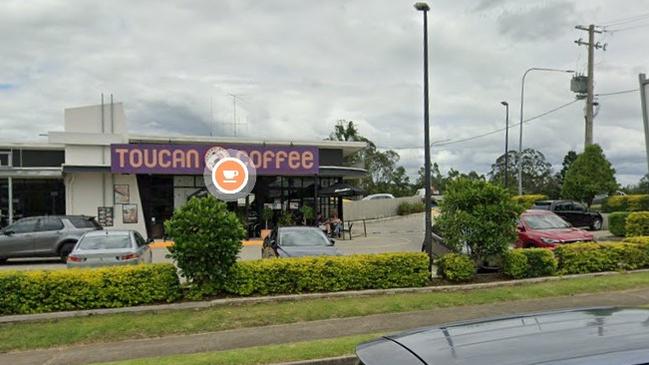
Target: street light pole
pixel 506 104
pixel 520 136
pixel 428 233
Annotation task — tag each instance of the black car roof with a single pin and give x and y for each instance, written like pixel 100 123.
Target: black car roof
pixel 546 338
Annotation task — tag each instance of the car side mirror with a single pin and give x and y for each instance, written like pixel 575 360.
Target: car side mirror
pixel 149 241
pixel 8 232
pixel 521 228
pixel 332 241
pixel 272 243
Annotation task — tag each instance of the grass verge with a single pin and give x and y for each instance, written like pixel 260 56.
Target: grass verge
pixel 112 327
pixel 307 350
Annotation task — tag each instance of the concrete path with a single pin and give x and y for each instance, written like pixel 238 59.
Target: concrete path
pixel 247 337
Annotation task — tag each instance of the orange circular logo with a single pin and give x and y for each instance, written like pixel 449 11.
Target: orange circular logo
pixel 230 175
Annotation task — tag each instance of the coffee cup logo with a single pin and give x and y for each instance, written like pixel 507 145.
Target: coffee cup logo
pixel 229 175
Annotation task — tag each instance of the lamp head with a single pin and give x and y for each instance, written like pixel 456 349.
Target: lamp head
pixel 421 6
pixel 504 103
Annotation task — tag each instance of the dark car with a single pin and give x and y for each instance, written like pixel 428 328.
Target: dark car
pixel 542 228
pixel 601 336
pixel 575 213
pixel 46 236
pixel 298 241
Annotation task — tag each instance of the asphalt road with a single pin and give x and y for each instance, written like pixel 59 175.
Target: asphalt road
pixel 397 234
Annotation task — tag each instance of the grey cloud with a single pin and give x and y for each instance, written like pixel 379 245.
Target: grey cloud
pixel 537 22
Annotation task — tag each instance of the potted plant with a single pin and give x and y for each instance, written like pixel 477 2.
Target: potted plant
pixel 308 214
pixel 286 219
pixel 266 215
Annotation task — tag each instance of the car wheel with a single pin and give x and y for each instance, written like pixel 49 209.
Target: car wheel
pixel 65 251
pixel 596 225
pixel 3 260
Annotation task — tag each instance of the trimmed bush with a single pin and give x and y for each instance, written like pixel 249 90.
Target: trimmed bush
pixel 207 239
pixel 617 223
pixel 582 258
pixel 637 224
pixel 529 263
pixel 406 208
pixel 626 203
pixel 456 267
pixel 75 289
pixel 643 240
pixel 328 274
pixel 528 200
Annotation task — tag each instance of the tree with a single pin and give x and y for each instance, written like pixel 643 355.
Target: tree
pixel 383 174
pixel 568 159
pixel 478 216
pixel 537 171
pixel 590 174
pixel 437 180
pixel 207 240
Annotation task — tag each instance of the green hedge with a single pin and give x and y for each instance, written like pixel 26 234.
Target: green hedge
pixel 406 208
pixel 456 267
pixel 626 203
pixel 528 200
pixel 529 263
pixel 644 240
pixel 328 274
pixel 606 256
pixel 637 224
pixel 617 222
pixel 75 289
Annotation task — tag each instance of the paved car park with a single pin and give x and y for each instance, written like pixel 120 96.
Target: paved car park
pixel 396 234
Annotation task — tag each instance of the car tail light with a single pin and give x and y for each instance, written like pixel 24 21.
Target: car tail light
pixel 74 258
pixel 130 256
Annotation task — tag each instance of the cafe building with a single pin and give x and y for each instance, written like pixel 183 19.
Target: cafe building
pixel 96 167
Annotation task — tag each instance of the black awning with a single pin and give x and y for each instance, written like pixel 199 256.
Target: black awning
pixel 341 189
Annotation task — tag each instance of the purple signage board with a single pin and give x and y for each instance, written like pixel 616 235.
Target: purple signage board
pixel 188 159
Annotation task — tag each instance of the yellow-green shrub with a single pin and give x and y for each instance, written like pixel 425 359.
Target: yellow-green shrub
pixel 406 208
pixel 617 223
pixel 456 267
pixel 529 263
pixel 581 258
pixel 637 224
pixel 626 203
pixel 327 274
pixel 528 200
pixel 644 240
pixel 63 290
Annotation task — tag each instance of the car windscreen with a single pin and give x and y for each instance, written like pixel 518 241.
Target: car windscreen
pixel 545 221
pixel 105 242
pixel 302 237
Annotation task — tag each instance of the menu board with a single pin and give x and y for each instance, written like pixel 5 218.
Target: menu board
pixel 105 216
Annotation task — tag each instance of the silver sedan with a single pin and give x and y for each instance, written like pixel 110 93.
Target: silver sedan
pixel 109 248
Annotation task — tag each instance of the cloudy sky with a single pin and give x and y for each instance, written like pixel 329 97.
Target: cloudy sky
pixel 298 66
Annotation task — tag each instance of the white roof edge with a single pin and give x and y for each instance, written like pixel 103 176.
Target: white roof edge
pixel 35 145
pixel 236 140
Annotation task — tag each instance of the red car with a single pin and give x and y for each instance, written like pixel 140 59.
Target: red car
pixel 542 228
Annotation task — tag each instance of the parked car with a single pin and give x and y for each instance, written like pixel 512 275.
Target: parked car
pixel 542 228
pixel 575 213
pixel 46 236
pixel 298 241
pixel 379 196
pixel 600 336
pixel 109 248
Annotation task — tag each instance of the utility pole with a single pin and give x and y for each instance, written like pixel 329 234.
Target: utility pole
pixel 592 45
pixel 644 88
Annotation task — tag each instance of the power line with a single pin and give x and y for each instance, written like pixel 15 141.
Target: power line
pixel 627 28
pixel 626 20
pixel 511 126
